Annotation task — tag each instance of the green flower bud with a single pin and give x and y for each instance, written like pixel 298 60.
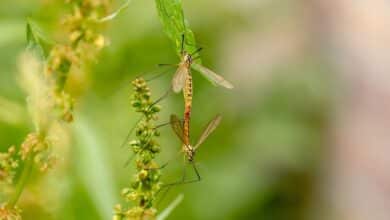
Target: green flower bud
pixel 135 184
pixel 155 148
pixel 155 109
pixel 156 133
pixel 136 104
pixel 143 174
pixel 125 192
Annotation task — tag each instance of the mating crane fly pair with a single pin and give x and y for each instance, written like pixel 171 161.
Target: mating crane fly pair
pixel 182 80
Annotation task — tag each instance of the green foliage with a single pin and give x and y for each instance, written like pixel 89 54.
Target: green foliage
pixel 175 25
pixel 35 40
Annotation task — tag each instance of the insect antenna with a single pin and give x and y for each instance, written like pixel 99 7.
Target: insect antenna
pixel 182 43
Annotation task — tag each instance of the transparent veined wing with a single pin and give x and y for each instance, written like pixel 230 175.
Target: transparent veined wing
pixel 177 126
pixel 179 78
pixel 211 76
pixel 211 126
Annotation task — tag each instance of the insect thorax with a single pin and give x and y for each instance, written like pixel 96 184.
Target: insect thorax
pixel 187 59
pixel 190 152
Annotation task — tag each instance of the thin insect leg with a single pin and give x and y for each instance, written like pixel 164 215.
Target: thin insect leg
pixel 166 163
pixel 162 97
pixel 159 168
pixel 129 160
pixel 169 186
pixel 162 125
pixel 158 75
pixel 197 51
pixel 130 132
pixel 163 195
pixel 165 124
pixel 151 72
pixel 198 178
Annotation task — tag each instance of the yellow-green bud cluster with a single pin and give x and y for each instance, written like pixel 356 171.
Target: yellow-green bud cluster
pixel 84 42
pixel 9 213
pixel 141 100
pixel 38 148
pixel 8 165
pixel 146 183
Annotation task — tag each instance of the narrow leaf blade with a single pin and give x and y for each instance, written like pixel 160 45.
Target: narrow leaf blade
pixel 164 214
pixel 36 42
pixel 109 17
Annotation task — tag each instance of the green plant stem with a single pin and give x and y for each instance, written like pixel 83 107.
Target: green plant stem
pixel 22 181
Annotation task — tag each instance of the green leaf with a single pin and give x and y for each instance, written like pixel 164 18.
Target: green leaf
pixel 36 42
pixel 116 13
pixel 164 214
pixel 175 25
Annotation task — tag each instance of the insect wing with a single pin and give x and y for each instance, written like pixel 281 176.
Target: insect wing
pixel 179 78
pixel 211 126
pixel 211 76
pixel 177 126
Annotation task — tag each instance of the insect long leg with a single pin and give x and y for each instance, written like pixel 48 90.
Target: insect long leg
pixel 163 195
pixel 129 160
pixel 183 181
pixel 166 94
pixel 168 187
pixel 197 173
pixel 159 74
pixel 196 51
pixel 166 123
pixel 130 132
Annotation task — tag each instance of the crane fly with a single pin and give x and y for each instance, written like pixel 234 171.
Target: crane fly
pixel 184 71
pixel 188 149
pixel 182 80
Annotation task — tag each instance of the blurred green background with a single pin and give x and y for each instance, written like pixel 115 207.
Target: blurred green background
pixel 262 162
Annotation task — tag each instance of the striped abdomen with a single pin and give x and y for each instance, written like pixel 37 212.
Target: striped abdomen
pixel 187 91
